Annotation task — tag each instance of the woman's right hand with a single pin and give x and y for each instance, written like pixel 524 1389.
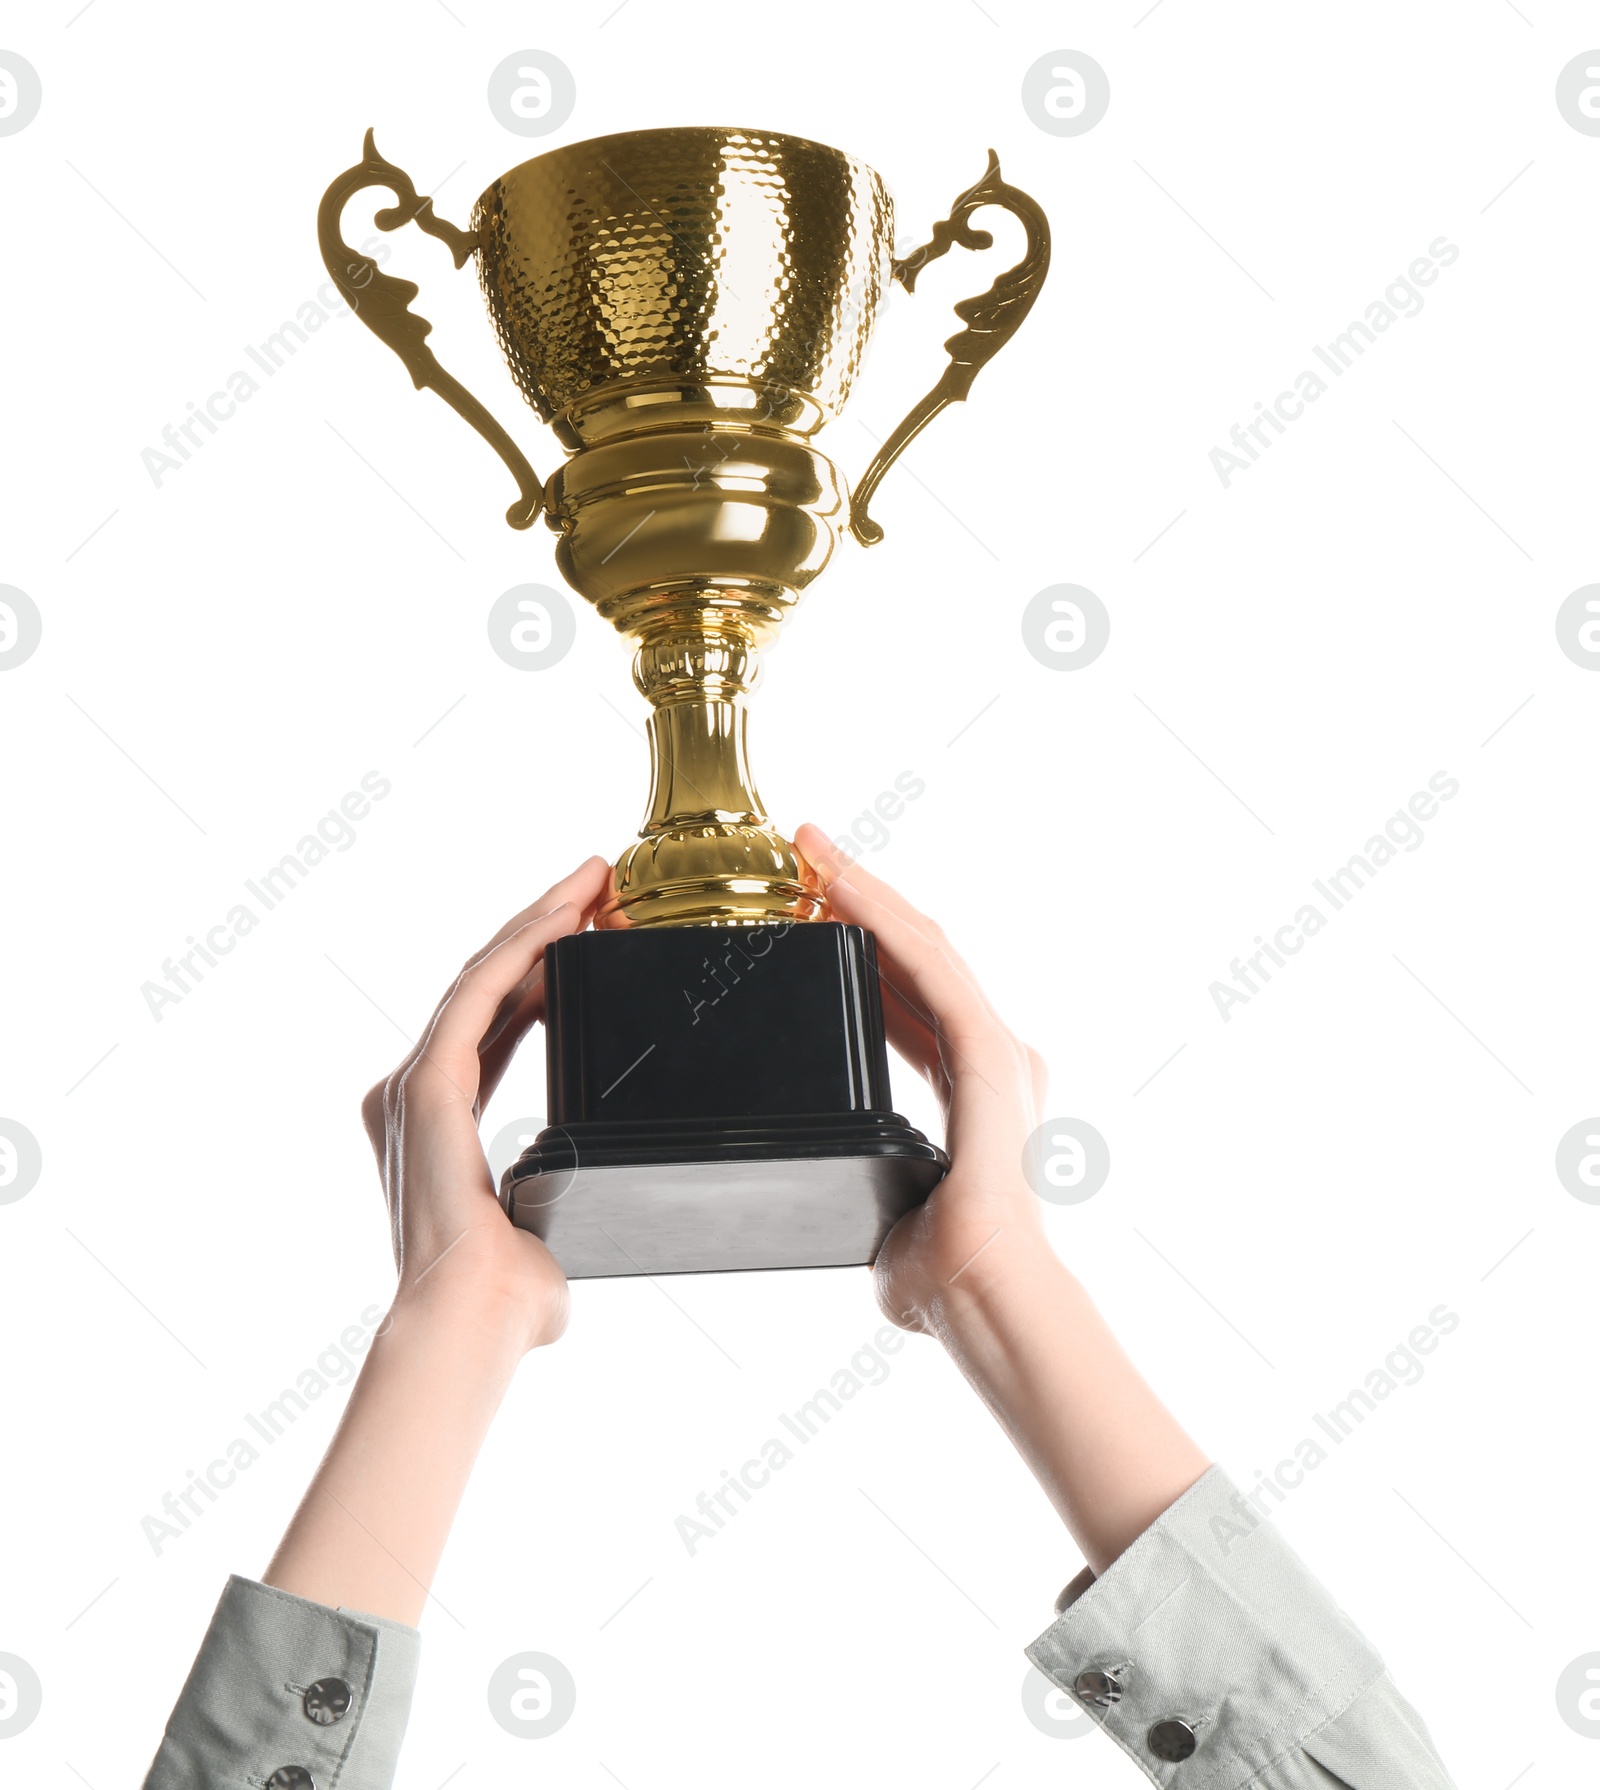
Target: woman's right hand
pixel 453 1244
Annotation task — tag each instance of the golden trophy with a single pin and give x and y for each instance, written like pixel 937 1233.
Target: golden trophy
pixel 687 308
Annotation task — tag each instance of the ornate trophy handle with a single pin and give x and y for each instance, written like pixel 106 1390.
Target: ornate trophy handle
pixel 382 302
pixel 992 319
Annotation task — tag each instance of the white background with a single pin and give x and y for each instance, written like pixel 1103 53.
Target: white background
pixel 1289 1196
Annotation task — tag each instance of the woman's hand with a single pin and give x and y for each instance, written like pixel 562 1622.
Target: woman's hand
pixel 973 1266
pixel 475 1294
pixel 983 1218
pixel 452 1242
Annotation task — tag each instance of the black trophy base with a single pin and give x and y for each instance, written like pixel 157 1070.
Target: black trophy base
pixel 719 1100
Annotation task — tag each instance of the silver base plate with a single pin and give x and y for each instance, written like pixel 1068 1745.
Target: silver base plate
pixel 718 1217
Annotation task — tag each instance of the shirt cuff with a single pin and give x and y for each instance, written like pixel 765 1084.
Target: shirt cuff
pixel 1214 1659
pixel 282 1683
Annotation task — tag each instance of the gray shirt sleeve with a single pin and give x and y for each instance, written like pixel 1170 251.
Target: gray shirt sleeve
pixel 282 1685
pixel 1215 1660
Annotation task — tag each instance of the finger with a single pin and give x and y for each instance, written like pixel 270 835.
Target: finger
pixel 468 1011
pixel 508 1032
pixel 831 863
pixel 513 1002
pixel 583 888
pixel 832 867
pixel 988 1101
pixel 934 979
pixel 837 868
pixel 921 970
pixel 523 1006
pixel 586 887
pixel 907 1028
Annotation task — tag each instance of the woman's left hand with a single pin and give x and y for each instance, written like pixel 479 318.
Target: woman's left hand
pixel 979 1232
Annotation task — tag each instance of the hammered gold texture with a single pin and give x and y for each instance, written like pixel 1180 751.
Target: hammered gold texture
pixel 705 255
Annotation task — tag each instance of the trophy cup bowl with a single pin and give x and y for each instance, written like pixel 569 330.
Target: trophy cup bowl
pixel 686 308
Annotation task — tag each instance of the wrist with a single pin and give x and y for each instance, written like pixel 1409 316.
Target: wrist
pixel 490 1324
pixel 1012 1288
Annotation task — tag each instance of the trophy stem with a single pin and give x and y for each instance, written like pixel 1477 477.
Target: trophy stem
pixel 707 855
pixel 700 766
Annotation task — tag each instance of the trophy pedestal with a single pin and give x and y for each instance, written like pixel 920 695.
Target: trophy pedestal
pixel 718 1099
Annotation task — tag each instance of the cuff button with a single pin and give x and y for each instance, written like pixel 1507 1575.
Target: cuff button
pixel 327 1701
pixel 1098 1687
pixel 291 1777
pixel 1172 1740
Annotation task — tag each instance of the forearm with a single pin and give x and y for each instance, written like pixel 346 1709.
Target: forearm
pixel 371 1528
pixel 1109 1455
